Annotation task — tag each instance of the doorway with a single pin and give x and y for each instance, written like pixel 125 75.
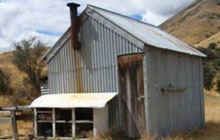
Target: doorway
pixel 131 94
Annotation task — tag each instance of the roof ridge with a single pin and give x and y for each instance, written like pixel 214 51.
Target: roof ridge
pixel 130 18
pixel 145 23
pixel 163 33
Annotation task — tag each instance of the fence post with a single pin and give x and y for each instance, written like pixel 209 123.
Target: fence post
pixel 14 125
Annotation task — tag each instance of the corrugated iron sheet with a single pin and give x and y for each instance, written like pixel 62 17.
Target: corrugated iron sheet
pixel 147 33
pixel 73 100
pixel 93 68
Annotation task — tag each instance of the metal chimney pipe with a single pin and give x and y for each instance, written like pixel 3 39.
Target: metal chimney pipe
pixel 74 25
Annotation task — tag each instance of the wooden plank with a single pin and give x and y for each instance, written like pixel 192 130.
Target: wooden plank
pixel 73 124
pixel 35 122
pixel 140 100
pixel 84 121
pixel 128 104
pixel 122 98
pixel 14 125
pixel 53 123
pixel 146 72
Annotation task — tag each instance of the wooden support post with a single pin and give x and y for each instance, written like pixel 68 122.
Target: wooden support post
pixel 73 124
pixel 94 121
pixel 129 106
pixel 53 123
pixel 35 122
pixel 14 125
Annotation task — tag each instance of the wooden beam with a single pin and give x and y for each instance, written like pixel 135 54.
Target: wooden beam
pixel 14 125
pixel 35 122
pixel 53 123
pixel 73 123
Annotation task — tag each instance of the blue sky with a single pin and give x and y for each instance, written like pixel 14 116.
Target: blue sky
pixel 50 33
pixel 137 16
pixel 48 19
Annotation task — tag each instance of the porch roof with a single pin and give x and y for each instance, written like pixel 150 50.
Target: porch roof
pixel 73 100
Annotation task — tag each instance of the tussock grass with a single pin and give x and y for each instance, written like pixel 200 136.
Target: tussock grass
pixel 24 129
pixel 5 101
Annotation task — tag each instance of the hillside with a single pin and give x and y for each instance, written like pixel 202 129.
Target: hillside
pixel 198 24
pixel 16 78
pixel 214 38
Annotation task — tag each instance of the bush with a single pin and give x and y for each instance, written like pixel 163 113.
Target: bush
pixel 4 80
pixel 218 84
pixel 212 45
pixel 210 54
pixel 211 65
pixel 27 57
pixel 209 74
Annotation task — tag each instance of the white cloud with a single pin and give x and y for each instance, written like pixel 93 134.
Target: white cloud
pixel 24 18
pixel 154 18
pixel 159 11
pixel 21 19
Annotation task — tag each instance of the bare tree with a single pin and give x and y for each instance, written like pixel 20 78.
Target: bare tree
pixel 27 57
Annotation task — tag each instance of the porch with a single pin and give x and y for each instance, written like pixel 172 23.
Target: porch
pixel 71 115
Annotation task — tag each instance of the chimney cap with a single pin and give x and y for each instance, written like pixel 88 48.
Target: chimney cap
pixel 71 4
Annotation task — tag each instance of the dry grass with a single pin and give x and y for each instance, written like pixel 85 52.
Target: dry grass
pixel 19 89
pixel 24 129
pixel 196 23
pixel 5 130
pixel 212 128
pixel 205 43
pixel 5 101
pixel 210 132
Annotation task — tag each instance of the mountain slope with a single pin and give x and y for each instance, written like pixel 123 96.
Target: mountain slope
pixel 213 39
pixel 196 23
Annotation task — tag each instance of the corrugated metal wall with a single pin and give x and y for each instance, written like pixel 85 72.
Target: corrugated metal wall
pixel 175 111
pixel 93 68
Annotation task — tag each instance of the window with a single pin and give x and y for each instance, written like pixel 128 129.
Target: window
pixel 84 122
pixel 60 122
pixel 44 122
pixel 63 122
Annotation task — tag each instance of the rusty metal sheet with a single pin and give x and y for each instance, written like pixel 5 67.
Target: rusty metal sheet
pixel 130 59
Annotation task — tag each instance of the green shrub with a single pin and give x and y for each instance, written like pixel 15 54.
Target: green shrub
pixel 209 75
pixel 27 57
pixel 218 84
pixel 212 45
pixel 211 66
pixel 4 80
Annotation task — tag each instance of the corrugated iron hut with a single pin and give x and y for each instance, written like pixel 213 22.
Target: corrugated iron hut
pixel 111 72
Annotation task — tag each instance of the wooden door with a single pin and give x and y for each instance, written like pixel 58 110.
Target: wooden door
pixel 131 95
